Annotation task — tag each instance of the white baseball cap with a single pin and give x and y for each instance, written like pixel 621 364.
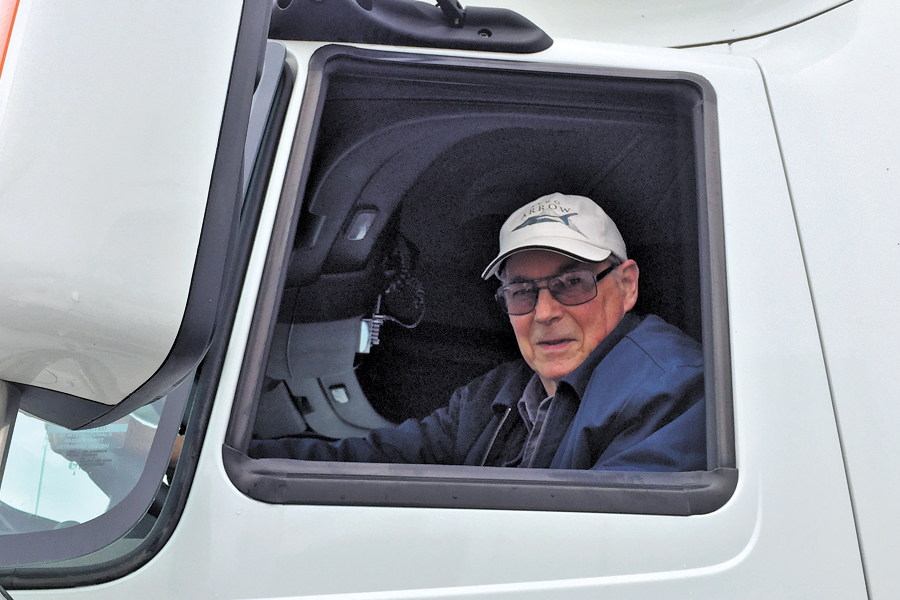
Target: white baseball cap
pixel 570 225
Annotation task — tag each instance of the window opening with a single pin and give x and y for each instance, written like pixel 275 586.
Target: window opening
pixel 437 153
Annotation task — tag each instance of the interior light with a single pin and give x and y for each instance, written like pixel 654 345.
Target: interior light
pixel 361 223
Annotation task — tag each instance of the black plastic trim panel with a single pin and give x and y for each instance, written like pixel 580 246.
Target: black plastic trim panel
pixel 285 481
pixel 406 23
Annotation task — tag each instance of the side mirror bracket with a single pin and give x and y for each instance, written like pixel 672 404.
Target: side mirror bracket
pixel 408 23
pixel 454 12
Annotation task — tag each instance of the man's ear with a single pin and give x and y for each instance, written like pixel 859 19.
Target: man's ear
pixel 628 282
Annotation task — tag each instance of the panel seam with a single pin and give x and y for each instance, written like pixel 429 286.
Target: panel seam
pixel 812 297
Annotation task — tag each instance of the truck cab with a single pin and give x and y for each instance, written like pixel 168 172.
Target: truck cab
pixel 248 220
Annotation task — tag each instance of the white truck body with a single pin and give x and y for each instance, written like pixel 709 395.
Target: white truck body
pixel 104 179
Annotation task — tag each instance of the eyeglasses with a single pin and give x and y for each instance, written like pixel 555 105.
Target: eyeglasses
pixel 572 288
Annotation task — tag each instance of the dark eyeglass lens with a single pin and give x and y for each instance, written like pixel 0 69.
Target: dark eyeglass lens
pixel 519 298
pixel 573 288
pixel 570 289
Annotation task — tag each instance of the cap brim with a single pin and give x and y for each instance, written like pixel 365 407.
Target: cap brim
pixel 567 247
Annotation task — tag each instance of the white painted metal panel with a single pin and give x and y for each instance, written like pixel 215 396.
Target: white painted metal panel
pixel 787 531
pixel 109 121
pixel 833 84
pixel 662 22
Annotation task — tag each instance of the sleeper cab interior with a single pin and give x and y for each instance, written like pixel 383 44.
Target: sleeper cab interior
pixel 413 166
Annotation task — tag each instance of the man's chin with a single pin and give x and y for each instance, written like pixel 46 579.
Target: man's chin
pixel 554 370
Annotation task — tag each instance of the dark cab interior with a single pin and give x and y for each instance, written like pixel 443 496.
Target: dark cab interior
pixel 414 165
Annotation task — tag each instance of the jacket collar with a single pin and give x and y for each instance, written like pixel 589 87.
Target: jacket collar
pixel 579 378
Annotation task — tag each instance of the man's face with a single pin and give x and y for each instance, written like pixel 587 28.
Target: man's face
pixel 554 338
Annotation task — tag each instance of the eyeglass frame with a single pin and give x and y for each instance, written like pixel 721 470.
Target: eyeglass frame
pixel 498 295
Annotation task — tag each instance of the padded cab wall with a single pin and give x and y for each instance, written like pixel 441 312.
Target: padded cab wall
pixel 434 153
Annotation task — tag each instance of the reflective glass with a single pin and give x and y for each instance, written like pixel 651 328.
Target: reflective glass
pixel 56 477
pixel 571 288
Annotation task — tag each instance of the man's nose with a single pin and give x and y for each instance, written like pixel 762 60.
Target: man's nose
pixel 547 308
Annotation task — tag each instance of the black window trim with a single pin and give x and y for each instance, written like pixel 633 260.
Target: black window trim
pixel 283 481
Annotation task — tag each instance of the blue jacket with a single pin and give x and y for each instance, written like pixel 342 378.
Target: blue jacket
pixel 636 403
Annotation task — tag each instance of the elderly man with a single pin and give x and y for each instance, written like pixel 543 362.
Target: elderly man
pixel 599 388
